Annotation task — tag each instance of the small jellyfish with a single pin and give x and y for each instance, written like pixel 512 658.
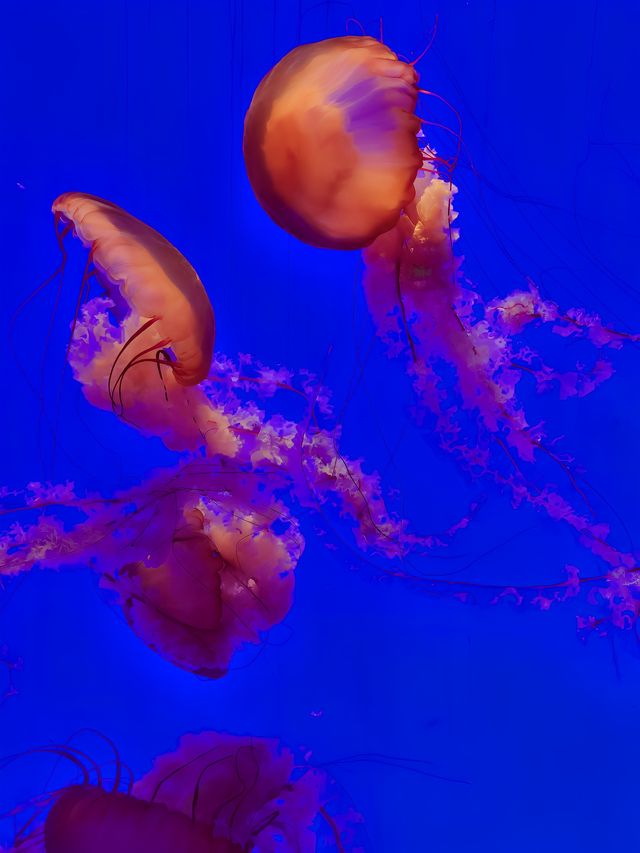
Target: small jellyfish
pixel 216 793
pixel 221 580
pixel 200 563
pixel 330 141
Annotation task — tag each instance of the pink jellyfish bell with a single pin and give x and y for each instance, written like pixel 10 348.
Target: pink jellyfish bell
pixel 330 141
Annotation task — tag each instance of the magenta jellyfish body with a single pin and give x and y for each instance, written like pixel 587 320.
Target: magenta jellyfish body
pixel 330 141
pixel 216 793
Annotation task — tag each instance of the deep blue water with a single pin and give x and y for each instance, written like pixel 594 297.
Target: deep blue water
pixel 529 733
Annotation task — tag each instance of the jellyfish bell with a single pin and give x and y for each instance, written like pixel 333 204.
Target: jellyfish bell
pixel 141 270
pixel 88 819
pixel 330 141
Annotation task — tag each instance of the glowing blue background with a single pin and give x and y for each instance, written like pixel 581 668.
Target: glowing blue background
pixel 143 102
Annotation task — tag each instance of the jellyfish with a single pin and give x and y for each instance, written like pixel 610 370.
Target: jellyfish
pixel 335 154
pixel 154 322
pixel 201 564
pixel 216 793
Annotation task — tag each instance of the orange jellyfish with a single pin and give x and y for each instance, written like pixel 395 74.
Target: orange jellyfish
pixel 332 152
pixel 219 580
pixel 330 141
pixel 142 348
pixel 138 267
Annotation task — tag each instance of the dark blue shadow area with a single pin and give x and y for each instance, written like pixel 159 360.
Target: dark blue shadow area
pixel 526 736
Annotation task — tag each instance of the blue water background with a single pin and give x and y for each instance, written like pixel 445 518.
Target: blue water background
pixel 531 735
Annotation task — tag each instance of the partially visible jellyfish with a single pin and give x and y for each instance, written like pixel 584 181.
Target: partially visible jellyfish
pixel 201 563
pixel 326 132
pixel 216 793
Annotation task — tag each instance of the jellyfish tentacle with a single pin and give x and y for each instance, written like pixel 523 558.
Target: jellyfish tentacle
pixel 135 361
